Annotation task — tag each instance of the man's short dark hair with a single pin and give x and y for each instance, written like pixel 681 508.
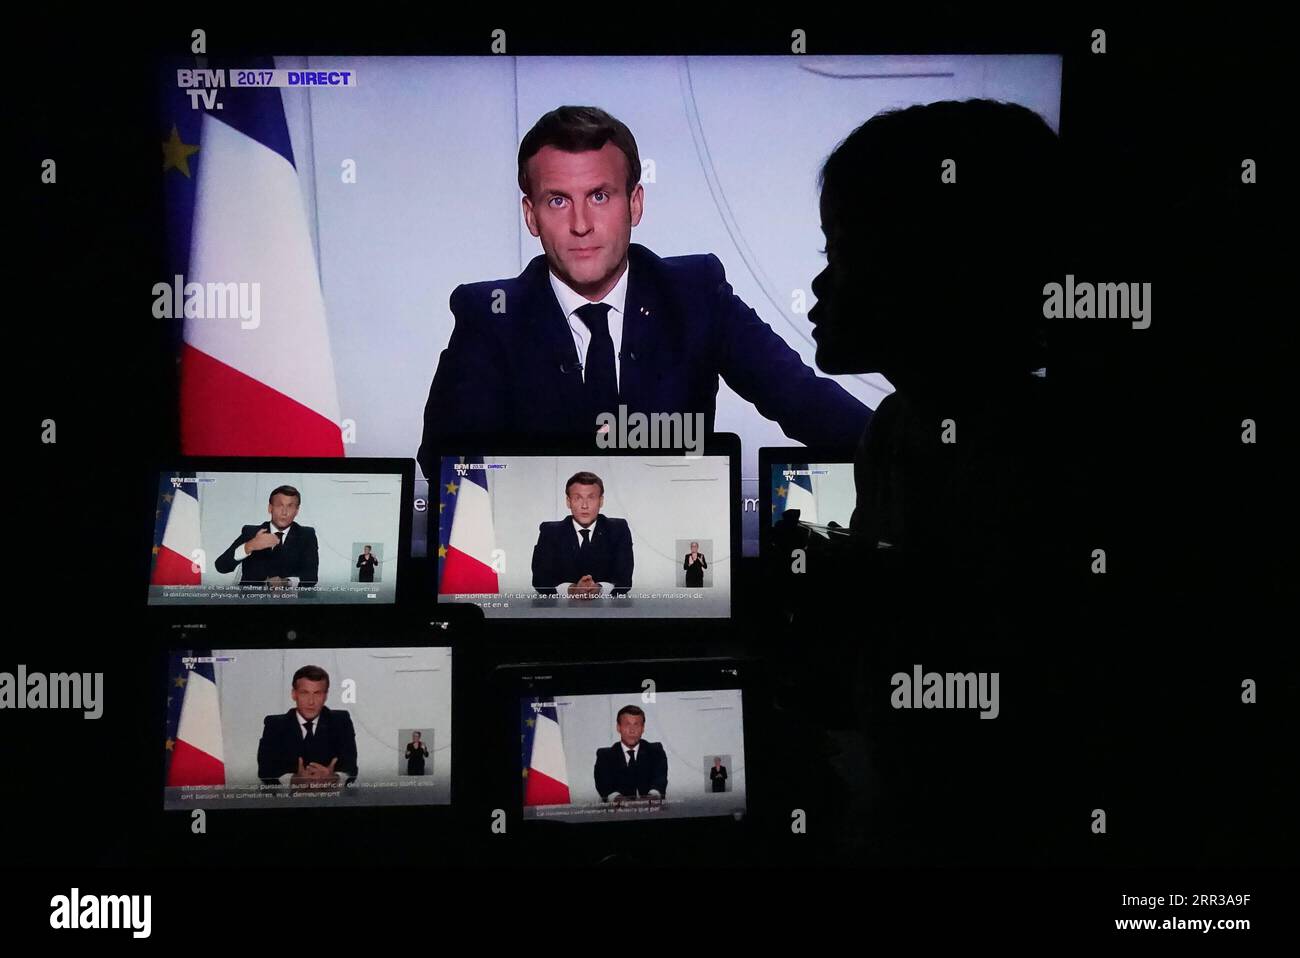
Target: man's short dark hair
pixel 312 673
pixel 577 129
pixel 284 491
pixel 584 479
pixel 629 710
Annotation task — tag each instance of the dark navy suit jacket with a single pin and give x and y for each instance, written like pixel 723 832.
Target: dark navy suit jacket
pixel 300 556
pixel 608 557
pixel 613 775
pixel 282 744
pixel 516 371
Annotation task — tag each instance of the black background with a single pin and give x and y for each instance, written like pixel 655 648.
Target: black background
pixel 1199 789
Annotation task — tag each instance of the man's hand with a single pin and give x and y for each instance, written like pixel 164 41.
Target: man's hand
pixel 585 588
pixel 315 773
pixel 300 777
pixel 323 773
pixel 263 540
pixel 276 582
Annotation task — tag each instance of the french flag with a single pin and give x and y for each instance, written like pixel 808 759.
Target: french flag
pixel 547 779
pixel 176 536
pixel 799 494
pixel 260 386
pixel 466 556
pixel 196 753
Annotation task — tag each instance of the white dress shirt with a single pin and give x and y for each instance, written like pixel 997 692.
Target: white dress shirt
pixel 570 302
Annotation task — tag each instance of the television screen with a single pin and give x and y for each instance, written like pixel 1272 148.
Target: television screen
pixel 587 536
pixel 627 756
pixel 822 493
pixel 271 538
pixel 364 216
pixel 306 728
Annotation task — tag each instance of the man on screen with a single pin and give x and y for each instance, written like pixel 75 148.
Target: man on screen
pixel 598 321
pixel 586 555
pixel 631 768
pixel 310 744
pixel 279 552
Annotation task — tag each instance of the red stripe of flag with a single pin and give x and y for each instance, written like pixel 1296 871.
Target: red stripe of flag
pixel 225 412
pixel 462 574
pixel 190 766
pixel 172 568
pixel 544 790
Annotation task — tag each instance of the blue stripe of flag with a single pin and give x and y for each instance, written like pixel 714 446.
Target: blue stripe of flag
pixel 781 485
pixel 176 671
pixel 257 112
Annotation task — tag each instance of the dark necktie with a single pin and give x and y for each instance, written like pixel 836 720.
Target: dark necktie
pixel 279 537
pixel 309 738
pixel 598 377
pixel 631 758
pixel 586 541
